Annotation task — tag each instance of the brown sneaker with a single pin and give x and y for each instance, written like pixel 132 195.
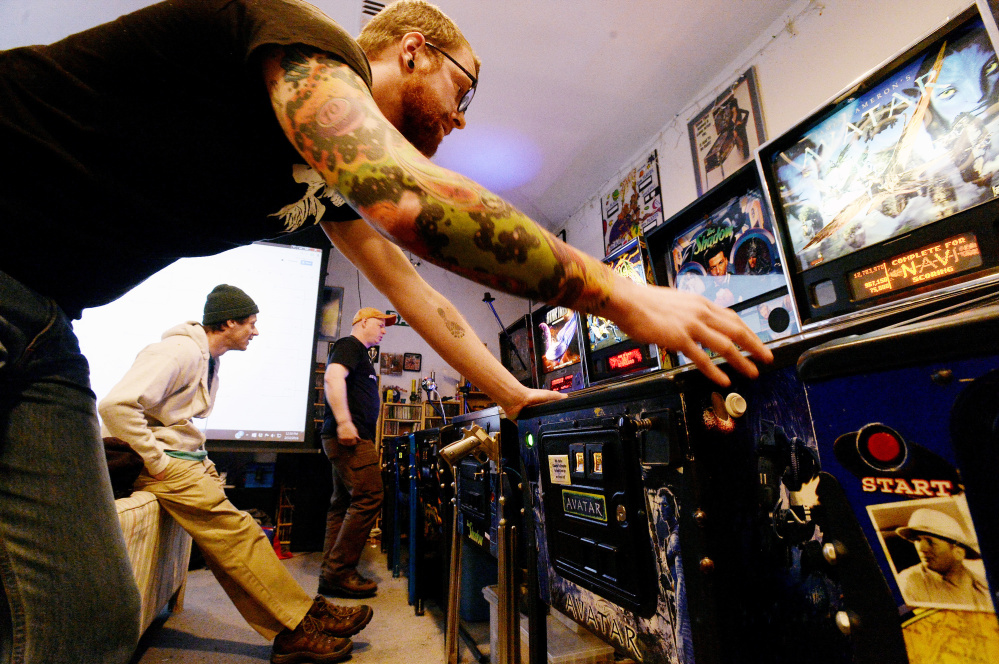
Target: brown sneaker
pixel 349 585
pixel 309 643
pixel 340 620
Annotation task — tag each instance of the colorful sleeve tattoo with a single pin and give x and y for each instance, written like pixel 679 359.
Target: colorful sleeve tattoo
pixel 330 116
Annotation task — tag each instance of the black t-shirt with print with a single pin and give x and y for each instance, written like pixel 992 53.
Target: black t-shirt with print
pixel 151 138
pixel 362 388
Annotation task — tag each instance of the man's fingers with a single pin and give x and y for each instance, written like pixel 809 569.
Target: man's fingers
pixel 740 333
pixel 706 366
pixel 723 346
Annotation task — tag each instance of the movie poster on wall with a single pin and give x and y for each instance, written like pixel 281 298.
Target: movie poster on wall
pixel 724 136
pixel 633 206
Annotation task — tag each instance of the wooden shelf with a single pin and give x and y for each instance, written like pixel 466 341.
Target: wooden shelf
pixel 398 419
pixel 319 398
pixel 415 417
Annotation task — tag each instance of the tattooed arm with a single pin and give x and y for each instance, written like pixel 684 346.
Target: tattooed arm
pixel 430 314
pixel 330 116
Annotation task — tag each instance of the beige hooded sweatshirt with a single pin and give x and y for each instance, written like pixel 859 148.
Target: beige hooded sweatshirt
pixel 153 407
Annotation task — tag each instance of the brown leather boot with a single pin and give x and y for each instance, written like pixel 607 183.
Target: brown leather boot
pixel 309 643
pixel 351 584
pixel 340 620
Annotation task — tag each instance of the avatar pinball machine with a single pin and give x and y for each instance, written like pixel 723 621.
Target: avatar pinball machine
pixel 481 452
pixel 805 515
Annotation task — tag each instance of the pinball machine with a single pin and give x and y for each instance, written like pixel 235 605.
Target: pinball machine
pixel 610 353
pixel 557 347
pixel 427 520
pixel 395 501
pixel 480 452
pixel 516 345
pixel 783 519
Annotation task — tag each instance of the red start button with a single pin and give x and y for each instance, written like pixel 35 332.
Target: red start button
pixel 883 446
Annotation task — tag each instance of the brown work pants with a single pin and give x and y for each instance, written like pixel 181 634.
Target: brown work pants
pixel 357 497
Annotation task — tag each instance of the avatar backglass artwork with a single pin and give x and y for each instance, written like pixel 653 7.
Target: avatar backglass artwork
pixel 915 147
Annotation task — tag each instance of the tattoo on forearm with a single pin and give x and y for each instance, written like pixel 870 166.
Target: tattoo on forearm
pixel 444 217
pixel 455 328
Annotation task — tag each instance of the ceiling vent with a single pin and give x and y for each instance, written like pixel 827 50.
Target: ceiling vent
pixel 368 9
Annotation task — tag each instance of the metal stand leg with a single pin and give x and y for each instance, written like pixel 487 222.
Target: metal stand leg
pixel 453 593
pixel 537 621
pixel 472 645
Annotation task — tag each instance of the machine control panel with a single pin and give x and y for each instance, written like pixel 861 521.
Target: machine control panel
pixel 598 534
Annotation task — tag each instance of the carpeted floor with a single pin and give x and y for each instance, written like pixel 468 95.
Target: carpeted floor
pixel 210 630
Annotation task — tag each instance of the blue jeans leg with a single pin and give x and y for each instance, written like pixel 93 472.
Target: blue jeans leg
pixel 69 593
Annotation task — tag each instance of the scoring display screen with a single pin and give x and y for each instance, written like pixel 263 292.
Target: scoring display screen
pixel 625 359
pixel 924 265
pixel 561 383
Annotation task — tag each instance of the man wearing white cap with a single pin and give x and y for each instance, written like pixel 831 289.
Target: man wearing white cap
pixel 348 439
pixel 941 577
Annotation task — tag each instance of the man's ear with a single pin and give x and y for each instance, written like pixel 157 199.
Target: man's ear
pixel 410 47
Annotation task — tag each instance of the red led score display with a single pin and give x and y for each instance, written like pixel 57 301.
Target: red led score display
pixel 625 359
pixel 562 383
pixel 936 261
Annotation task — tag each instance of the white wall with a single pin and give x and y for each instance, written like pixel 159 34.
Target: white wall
pixel 464 294
pixel 799 66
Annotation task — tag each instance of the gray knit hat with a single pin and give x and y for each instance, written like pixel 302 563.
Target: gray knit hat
pixel 227 302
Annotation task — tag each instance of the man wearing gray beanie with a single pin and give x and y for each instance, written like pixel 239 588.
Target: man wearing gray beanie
pixel 152 409
pixel 225 303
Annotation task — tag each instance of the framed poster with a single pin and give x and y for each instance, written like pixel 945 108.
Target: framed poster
pixel 633 206
pixel 724 136
pixel 330 312
pixel 412 362
pixel 391 364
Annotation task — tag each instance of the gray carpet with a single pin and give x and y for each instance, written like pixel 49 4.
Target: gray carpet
pixel 209 629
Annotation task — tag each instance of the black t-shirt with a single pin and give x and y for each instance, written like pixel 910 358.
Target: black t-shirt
pixel 151 138
pixel 362 388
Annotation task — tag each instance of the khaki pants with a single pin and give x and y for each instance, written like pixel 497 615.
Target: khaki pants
pixel 235 548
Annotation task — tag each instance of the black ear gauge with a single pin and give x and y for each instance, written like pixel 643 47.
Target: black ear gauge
pixel 411 64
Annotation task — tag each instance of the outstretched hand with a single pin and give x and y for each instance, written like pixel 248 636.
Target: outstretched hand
pixel 684 322
pixel 530 398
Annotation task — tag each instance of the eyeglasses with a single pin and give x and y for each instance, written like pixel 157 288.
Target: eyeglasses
pixel 466 98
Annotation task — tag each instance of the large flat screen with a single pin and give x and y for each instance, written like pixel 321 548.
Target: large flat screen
pixel 263 395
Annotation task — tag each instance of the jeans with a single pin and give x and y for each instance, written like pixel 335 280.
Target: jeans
pixel 68 595
pixel 354 506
